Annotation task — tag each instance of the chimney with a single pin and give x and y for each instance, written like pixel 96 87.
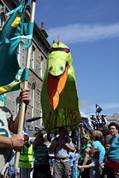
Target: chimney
pixel 42 29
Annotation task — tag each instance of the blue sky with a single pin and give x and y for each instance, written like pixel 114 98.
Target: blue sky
pixel 91 29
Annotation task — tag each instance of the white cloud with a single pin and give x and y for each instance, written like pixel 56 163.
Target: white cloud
pixel 111 106
pixel 83 114
pixel 89 108
pixel 84 32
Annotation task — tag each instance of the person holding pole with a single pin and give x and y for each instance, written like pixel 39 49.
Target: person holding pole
pixel 8 142
pixel 17 19
pixel 25 86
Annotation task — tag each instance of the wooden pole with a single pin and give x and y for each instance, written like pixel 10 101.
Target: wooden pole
pixel 23 105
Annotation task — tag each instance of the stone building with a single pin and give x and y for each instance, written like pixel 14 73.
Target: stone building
pixel 113 118
pixel 40 48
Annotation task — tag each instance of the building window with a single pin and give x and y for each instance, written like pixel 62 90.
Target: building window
pixel 33 97
pixel 41 67
pixel 41 120
pixel 33 58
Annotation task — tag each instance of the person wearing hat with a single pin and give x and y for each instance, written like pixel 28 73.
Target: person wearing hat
pixel 86 136
pixel 94 165
pixel 85 155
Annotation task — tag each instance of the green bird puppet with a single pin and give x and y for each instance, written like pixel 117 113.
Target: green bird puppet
pixel 59 98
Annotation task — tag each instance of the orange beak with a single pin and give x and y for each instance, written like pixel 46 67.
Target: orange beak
pixel 55 87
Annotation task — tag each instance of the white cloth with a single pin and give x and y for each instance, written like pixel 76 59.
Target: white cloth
pixel 4 115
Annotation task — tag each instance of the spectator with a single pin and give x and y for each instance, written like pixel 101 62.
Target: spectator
pixel 85 155
pixel 26 158
pixel 97 137
pixel 94 165
pixel 74 158
pixel 61 146
pixel 112 163
pixel 41 162
pixel 97 144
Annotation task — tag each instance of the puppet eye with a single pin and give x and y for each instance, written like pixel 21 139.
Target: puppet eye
pixel 61 68
pixel 50 68
pixel 66 50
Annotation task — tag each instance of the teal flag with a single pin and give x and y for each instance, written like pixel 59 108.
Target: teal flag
pixel 3 99
pixel 15 29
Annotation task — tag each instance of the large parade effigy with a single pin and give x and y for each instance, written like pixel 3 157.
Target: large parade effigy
pixel 59 98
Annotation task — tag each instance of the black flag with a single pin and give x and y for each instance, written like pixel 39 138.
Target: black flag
pixel 98 109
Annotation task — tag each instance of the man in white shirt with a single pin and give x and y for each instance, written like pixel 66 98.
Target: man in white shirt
pixel 61 146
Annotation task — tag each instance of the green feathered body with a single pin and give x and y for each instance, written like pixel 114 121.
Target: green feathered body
pixel 67 113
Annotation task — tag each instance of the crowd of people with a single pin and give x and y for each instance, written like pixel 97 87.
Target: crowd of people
pixel 59 155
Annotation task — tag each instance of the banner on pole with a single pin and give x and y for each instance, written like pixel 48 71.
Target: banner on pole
pixel 14 30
